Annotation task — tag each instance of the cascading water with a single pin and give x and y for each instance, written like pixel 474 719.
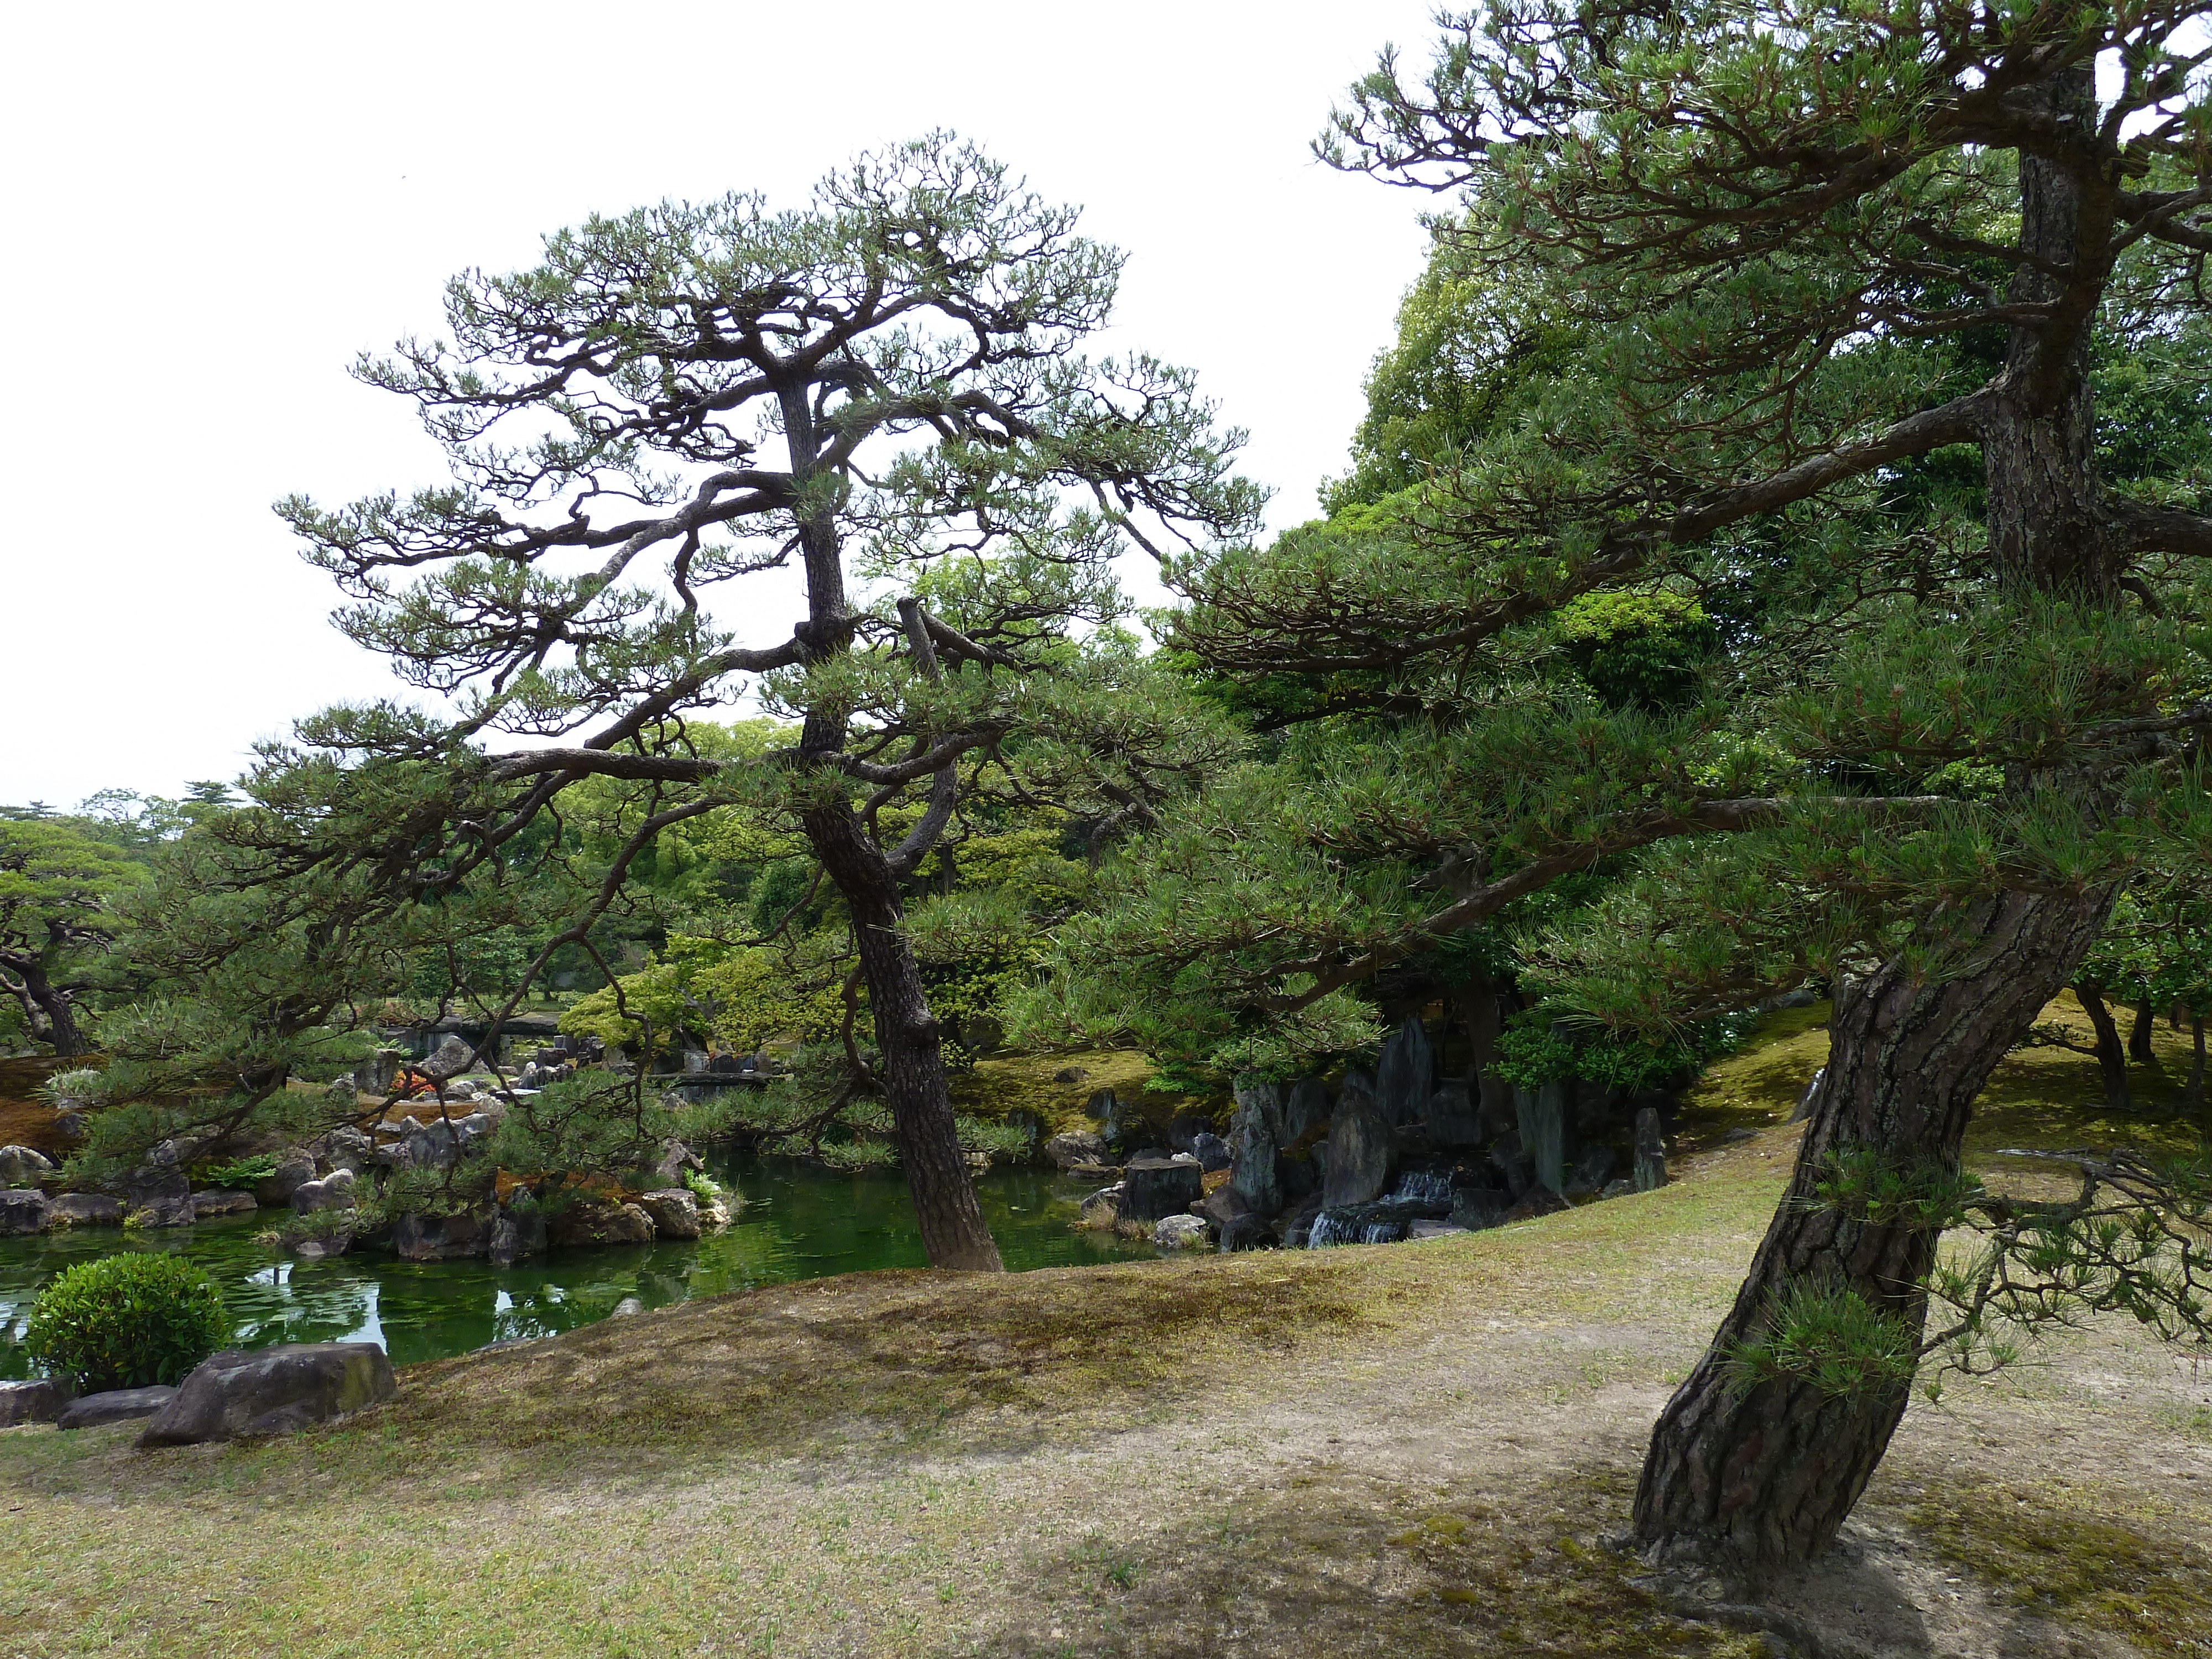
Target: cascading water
pixel 1422 1187
pixel 1331 1227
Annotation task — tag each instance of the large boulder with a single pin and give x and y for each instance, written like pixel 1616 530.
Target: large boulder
pixel 1361 1150
pixel 1212 1152
pixel 517 1230
pixel 675 1211
pixel 1102 1209
pixel 1405 1074
pixel 1182 1232
pixel 1516 1169
pixel 451 1058
pixel 86 1210
pixel 23 1210
pixel 1077 1148
pixel 238 1393
pixel 439 1238
pixel 221 1201
pixel 158 1193
pixel 335 1191
pixel 1256 1136
pixel 39 1400
pixel 23 1166
pixel 295 1167
pixel 1453 1118
pixel 92 1410
pixel 1306 1109
pixel 1247 1232
pixel 1591 1171
pixel 343 1148
pixel 594 1221
pixel 1544 1132
pixel 1160 1186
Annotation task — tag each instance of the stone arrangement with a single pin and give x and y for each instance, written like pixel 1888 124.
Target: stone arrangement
pixel 1394 1155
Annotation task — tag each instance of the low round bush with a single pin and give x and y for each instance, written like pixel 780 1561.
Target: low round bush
pixel 127 1321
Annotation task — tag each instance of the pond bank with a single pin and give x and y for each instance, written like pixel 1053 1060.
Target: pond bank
pixel 798 1221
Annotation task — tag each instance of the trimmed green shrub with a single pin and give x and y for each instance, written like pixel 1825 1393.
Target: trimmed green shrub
pixel 127 1321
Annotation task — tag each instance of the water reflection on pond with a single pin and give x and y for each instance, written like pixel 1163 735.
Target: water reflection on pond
pixel 798 1222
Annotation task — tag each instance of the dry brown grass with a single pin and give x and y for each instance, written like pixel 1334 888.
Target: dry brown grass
pixel 1402 1450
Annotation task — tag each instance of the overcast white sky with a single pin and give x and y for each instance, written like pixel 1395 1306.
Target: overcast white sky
pixel 210 209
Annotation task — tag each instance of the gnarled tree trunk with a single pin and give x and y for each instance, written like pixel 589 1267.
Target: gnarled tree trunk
pixel 47 1009
pixel 1769 1472
pixel 953 1231
pixel 2111 1057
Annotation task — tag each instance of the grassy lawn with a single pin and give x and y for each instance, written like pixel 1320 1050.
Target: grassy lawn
pixel 1404 1450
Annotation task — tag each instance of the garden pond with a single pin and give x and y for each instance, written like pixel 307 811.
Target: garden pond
pixel 798 1221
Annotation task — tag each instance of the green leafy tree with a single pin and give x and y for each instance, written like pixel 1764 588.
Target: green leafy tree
pixel 884 393
pixel 57 922
pixel 1844 285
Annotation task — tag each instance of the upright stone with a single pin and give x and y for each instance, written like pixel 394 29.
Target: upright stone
pixel 1452 1118
pixel 1361 1149
pixel 1544 1132
pixel 1254 1139
pixel 1651 1151
pixel 1307 1107
pixel 1405 1074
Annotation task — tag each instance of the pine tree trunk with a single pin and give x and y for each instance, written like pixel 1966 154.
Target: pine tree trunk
pixel 1768 1473
pixel 2139 1038
pixel 2111 1057
pixel 46 1010
pixel 945 1206
pixel 953 1231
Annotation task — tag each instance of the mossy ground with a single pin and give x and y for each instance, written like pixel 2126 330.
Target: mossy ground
pixel 1401 1450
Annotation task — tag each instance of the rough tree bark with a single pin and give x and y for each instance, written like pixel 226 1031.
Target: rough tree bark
pixel 950 1219
pixel 1769 1473
pixel 46 1007
pixel 2140 1032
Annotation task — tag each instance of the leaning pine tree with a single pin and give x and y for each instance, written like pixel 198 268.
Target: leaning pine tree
pixel 1789 319
pixel 882 394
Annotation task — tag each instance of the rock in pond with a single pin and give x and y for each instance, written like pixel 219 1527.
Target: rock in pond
pixel 1417 1231
pixel 1156 1186
pixel 240 1393
pixel 1077 1148
pixel 333 1192
pixel 439 1238
pixel 39 1400
pixel 158 1194
pixel 1211 1150
pixel 90 1410
pixel 24 1210
pixel 1182 1232
pixel 591 1221
pixel 294 1170
pixel 221 1201
pixel 628 1306
pixel 88 1210
pixel 23 1166
pixel 1102 1209
pixel 675 1211
pixel 517 1230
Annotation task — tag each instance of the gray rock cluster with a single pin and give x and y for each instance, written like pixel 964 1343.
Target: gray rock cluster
pixel 1395 1154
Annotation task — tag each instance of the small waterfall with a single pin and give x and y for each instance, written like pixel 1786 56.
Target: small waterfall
pixel 1331 1227
pixel 1422 1187
pixel 1383 1232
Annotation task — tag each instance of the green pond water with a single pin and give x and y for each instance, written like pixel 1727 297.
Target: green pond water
pixel 798 1222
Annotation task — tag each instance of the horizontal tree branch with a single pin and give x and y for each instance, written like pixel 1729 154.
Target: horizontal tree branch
pixel 1758 813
